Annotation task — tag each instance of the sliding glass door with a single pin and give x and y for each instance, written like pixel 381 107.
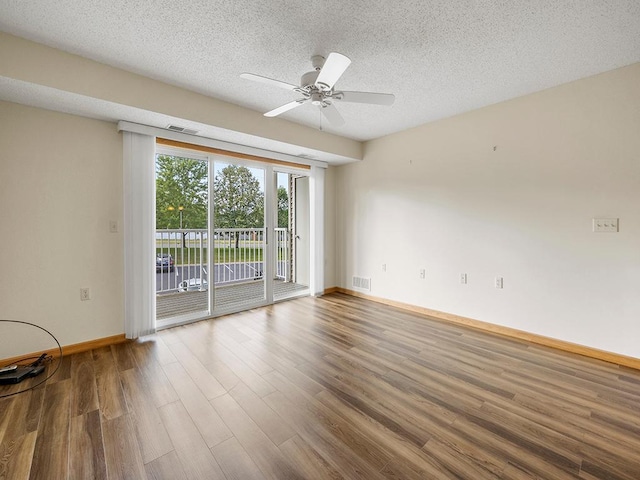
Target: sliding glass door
pixel 230 235
pixel 239 236
pixel 181 236
pixel 292 246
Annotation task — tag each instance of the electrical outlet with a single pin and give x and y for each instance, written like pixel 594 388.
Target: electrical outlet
pixel 606 225
pixel 85 294
pixel 113 226
pixel 499 282
pixel 463 278
pixel 423 273
pixel 384 267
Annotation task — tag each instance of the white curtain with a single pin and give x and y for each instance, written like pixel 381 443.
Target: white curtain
pixel 139 234
pixel 316 220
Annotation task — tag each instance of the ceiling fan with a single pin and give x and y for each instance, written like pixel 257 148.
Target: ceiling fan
pixel 317 87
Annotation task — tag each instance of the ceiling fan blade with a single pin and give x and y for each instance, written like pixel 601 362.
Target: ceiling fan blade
pixel 333 68
pixel 285 108
pixel 365 97
pixel 268 81
pixel 332 115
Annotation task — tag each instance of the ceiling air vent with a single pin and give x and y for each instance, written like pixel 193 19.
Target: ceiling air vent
pixel 176 128
pixel 362 283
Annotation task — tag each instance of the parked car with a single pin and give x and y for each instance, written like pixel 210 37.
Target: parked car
pixel 192 284
pixel 164 261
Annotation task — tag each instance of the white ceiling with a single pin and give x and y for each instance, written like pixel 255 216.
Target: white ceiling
pixel 439 57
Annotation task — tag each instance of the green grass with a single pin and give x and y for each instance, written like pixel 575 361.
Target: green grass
pixel 191 255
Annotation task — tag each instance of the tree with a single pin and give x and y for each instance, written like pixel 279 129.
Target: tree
pixel 238 199
pixel 283 208
pixel 181 193
pixel 239 203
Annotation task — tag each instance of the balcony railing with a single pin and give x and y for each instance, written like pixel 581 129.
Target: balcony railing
pixel 181 257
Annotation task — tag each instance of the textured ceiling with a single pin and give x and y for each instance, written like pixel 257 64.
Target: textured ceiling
pixel 438 57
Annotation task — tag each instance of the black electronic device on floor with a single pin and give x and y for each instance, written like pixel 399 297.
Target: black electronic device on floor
pixel 18 374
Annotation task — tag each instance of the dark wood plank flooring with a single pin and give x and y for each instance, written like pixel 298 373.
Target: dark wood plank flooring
pixel 331 387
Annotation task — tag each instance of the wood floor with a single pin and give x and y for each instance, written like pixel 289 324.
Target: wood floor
pixel 331 387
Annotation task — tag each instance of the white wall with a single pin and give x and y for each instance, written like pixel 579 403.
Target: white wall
pixel 440 197
pixel 60 185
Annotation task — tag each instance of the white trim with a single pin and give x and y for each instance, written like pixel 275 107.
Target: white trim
pixel 209 142
pixel 316 226
pixel 270 213
pixel 316 223
pixel 211 239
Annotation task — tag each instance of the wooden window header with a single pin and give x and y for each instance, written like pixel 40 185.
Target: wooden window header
pixel 227 153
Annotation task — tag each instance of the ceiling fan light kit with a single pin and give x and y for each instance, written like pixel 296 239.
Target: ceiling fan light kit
pixel 317 88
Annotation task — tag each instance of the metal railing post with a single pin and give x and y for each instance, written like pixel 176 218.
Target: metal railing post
pixel 202 289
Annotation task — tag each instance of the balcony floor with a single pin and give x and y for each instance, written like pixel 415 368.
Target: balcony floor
pixel 228 297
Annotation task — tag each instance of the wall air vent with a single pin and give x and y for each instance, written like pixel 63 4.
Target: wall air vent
pixel 362 283
pixel 176 128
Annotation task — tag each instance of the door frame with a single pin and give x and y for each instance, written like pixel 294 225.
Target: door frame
pixel 213 158
pixel 270 168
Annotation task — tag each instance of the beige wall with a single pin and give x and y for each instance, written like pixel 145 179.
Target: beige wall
pixel 330 205
pixel 509 190
pixel 438 197
pixel 38 64
pixel 60 185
